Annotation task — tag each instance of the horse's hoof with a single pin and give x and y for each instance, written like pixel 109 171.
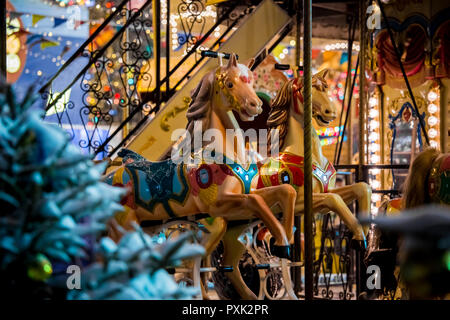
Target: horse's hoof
pixel 281 251
pixel 358 244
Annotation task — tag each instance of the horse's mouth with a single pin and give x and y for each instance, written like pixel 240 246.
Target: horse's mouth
pixel 322 120
pixel 245 115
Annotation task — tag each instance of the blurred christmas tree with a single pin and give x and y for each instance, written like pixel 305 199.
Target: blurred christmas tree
pixel 53 211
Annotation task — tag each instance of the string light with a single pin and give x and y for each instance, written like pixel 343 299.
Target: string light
pixel 340 46
pixel 374 149
pixel 433 111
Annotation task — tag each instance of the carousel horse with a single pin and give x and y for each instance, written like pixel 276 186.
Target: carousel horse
pixel 428 182
pixel 166 190
pixel 286 168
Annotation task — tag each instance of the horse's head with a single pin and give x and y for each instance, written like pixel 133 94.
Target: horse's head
pixel 228 88
pixel 428 179
pixel 234 90
pixel 289 103
pixel 323 110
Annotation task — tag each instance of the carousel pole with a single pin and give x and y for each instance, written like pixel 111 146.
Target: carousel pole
pixel 405 77
pixel 307 89
pixel 362 86
pixel 361 174
pixel 297 219
pixel 157 44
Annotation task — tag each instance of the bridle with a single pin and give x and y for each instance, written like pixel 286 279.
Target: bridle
pixel 220 83
pixel 297 94
pixel 297 87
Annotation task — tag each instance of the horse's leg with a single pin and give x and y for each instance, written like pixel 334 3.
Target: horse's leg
pixel 255 205
pixel 361 192
pixel 285 195
pixel 333 202
pixel 233 251
pixel 122 221
pixel 217 228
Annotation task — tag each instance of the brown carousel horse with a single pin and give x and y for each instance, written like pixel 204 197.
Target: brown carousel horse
pixel 428 182
pixel 167 190
pixel 286 116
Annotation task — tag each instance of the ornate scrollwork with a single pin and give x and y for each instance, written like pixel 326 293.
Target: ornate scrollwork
pixel 109 87
pixel 192 22
pixel 333 268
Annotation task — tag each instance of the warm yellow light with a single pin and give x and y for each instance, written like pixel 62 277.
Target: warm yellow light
pixel 12 44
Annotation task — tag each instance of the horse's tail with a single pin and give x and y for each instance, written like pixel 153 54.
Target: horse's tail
pixel 416 191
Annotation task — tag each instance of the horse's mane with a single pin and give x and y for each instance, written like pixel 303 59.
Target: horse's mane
pixel 200 106
pixel 416 185
pixel 279 113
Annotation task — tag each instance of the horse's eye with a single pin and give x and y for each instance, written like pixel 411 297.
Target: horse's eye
pixel 229 85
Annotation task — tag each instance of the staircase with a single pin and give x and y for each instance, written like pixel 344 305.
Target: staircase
pixel 126 93
pixel 251 38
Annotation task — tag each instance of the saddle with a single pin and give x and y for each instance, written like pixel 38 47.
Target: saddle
pixel 163 181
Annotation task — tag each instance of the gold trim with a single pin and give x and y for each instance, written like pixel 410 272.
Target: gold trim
pixel 173 113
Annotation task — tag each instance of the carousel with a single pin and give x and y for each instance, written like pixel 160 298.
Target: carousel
pixel 281 144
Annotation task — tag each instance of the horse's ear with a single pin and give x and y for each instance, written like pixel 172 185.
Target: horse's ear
pixel 232 62
pixel 322 74
pixel 251 63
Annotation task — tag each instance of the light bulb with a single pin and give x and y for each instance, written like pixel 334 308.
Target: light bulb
pixel 374 136
pixel 376 197
pixel 373 101
pixel 375 158
pixel 432 133
pixel 375 171
pixel 374 124
pixel 373 113
pixel 432 108
pixel 432 120
pixel 375 184
pixel 432 96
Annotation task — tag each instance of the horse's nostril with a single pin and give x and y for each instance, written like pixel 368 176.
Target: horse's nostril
pixel 327 111
pixel 253 104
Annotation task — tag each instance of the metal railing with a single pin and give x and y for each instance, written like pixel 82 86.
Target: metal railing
pixel 112 84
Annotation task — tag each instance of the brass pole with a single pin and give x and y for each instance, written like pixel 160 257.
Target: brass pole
pixel 297 219
pixel 382 133
pixel 308 217
pixel 362 86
